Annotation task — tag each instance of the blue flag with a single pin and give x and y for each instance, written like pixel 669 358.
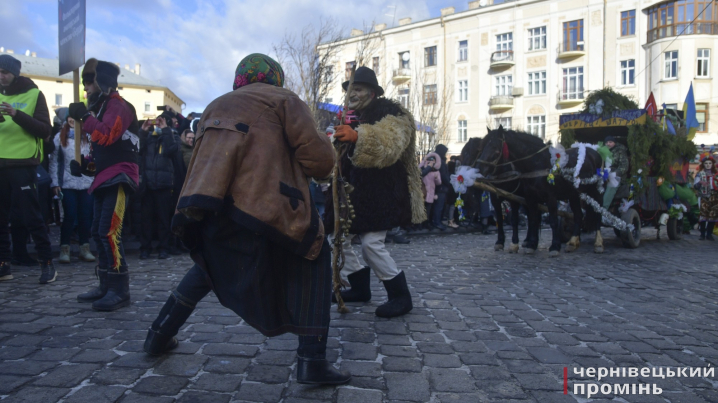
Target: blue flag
pixel 689 114
pixel 669 126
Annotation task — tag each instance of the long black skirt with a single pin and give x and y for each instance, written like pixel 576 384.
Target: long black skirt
pixel 272 289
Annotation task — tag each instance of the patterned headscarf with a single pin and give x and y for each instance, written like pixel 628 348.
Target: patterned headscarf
pixel 258 68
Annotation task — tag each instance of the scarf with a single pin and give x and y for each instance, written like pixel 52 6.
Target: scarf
pixel 258 68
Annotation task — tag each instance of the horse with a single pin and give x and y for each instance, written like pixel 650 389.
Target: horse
pixel 517 155
pixel 469 156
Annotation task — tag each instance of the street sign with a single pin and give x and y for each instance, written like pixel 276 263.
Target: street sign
pixel 71 34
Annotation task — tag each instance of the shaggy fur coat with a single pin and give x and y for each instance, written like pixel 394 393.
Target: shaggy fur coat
pixel 383 170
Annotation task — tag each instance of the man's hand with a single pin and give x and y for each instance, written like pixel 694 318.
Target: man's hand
pixel 7 109
pixel 346 134
pixel 56 190
pixel 146 125
pixel 78 111
pixel 161 122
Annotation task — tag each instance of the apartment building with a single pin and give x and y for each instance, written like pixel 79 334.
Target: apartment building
pixel 144 94
pixel 524 63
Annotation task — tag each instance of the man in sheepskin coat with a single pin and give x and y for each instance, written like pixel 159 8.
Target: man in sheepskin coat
pixel 380 164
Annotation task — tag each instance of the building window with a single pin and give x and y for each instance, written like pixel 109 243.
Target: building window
pixel 148 107
pixel 537 38
pixel 505 122
pixel 348 70
pixel 430 94
pixel 58 99
pixel 702 116
pixel 404 60
pixel 375 64
pixel 463 132
pixel 572 36
pixel 537 125
pixel 463 51
pixel 704 63
pixel 683 17
pixel 505 41
pixel 463 90
pixel 671 66
pixel 537 83
pixel 504 84
pixel 628 23
pixel 430 56
pixel 572 83
pixel 404 97
pixel 628 72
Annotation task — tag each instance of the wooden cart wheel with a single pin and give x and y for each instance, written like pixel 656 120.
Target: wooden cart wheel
pixel 631 239
pixel 674 227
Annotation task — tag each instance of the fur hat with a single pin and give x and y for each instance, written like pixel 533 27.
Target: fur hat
pixel 365 75
pixel 106 76
pixel 609 138
pixel 88 71
pixel 10 64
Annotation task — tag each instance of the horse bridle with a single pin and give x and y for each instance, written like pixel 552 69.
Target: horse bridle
pixel 513 174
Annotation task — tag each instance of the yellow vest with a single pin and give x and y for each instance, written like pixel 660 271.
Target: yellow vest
pixel 15 142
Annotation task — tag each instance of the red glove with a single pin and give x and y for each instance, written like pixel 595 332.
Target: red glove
pixel 346 134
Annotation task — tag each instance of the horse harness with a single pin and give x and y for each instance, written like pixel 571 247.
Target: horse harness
pixel 513 174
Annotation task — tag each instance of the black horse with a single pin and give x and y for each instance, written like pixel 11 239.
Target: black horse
pixel 508 154
pixel 470 156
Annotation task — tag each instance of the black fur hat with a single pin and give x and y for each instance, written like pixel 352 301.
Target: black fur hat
pixel 106 76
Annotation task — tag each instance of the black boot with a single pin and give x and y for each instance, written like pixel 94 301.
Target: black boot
pixel 47 272
pixel 118 291
pixel 399 298
pixel 709 231
pixel 319 371
pixel 702 229
pixel 5 272
pixel 161 336
pixel 361 287
pixel 97 292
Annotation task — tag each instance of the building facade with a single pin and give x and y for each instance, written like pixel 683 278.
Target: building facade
pixel 524 63
pixel 144 94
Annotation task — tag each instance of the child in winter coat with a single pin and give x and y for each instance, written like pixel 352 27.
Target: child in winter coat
pixel 431 178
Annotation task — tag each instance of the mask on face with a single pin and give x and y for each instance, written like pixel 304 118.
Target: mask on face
pixel 360 97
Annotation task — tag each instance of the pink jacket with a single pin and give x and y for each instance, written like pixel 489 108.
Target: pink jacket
pixel 433 178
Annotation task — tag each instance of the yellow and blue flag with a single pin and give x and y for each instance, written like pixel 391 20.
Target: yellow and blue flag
pixel 689 114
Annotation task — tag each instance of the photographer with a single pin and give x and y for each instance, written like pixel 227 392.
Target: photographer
pixel 158 149
pixel 24 125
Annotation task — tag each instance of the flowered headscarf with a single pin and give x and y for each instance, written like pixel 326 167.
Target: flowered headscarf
pixel 258 68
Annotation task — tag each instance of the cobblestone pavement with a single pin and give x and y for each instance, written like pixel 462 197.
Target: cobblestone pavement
pixel 487 326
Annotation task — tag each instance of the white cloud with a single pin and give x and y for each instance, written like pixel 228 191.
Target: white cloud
pixel 195 53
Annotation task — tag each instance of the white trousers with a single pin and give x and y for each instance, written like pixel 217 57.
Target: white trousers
pixel 374 254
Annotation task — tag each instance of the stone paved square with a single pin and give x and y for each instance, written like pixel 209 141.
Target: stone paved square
pixel 486 327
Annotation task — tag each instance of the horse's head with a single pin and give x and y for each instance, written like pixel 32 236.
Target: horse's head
pixel 470 152
pixel 494 151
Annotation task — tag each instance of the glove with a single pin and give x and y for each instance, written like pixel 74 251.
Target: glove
pixel 78 111
pixel 75 168
pixel 346 134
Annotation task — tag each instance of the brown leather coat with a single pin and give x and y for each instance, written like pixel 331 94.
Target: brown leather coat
pixel 255 149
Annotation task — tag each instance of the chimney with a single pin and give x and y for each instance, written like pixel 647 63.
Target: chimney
pixel 356 32
pixel 137 69
pixel 473 5
pixel 127 67
pixel 10 52
pixel 33 54
pixel 447 11
pixel 27 52
pixel 2 49
pixel 405 21
pixel 379 27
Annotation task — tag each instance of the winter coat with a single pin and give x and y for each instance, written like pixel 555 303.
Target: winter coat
pixel 157 154
pixel 444 170
pixel 431 179
pixel 381 166
pixel 186 153
pixel 255 149
pixel 65 179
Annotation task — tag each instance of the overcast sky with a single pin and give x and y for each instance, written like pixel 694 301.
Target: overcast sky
pixel 193 46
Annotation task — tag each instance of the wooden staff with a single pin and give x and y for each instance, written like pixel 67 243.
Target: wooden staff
pixel 78 124
pixel 339 227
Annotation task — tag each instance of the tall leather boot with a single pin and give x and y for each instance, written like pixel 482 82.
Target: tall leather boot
pixel 399 298
pixel 702 229
pixel 118 291
pixel 709 231
pixel 161 335
pixel 312 366
pixel 361 287
pixel 97 292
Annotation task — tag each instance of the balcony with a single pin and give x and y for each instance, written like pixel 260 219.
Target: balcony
pixel 567 99
pixel 501 102
pixel 697 28
pixel 401 76
pixel 502 59
pixel 569 50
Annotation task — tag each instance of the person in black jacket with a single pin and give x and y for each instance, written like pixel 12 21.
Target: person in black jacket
pixel 157 154
pixel 442 189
